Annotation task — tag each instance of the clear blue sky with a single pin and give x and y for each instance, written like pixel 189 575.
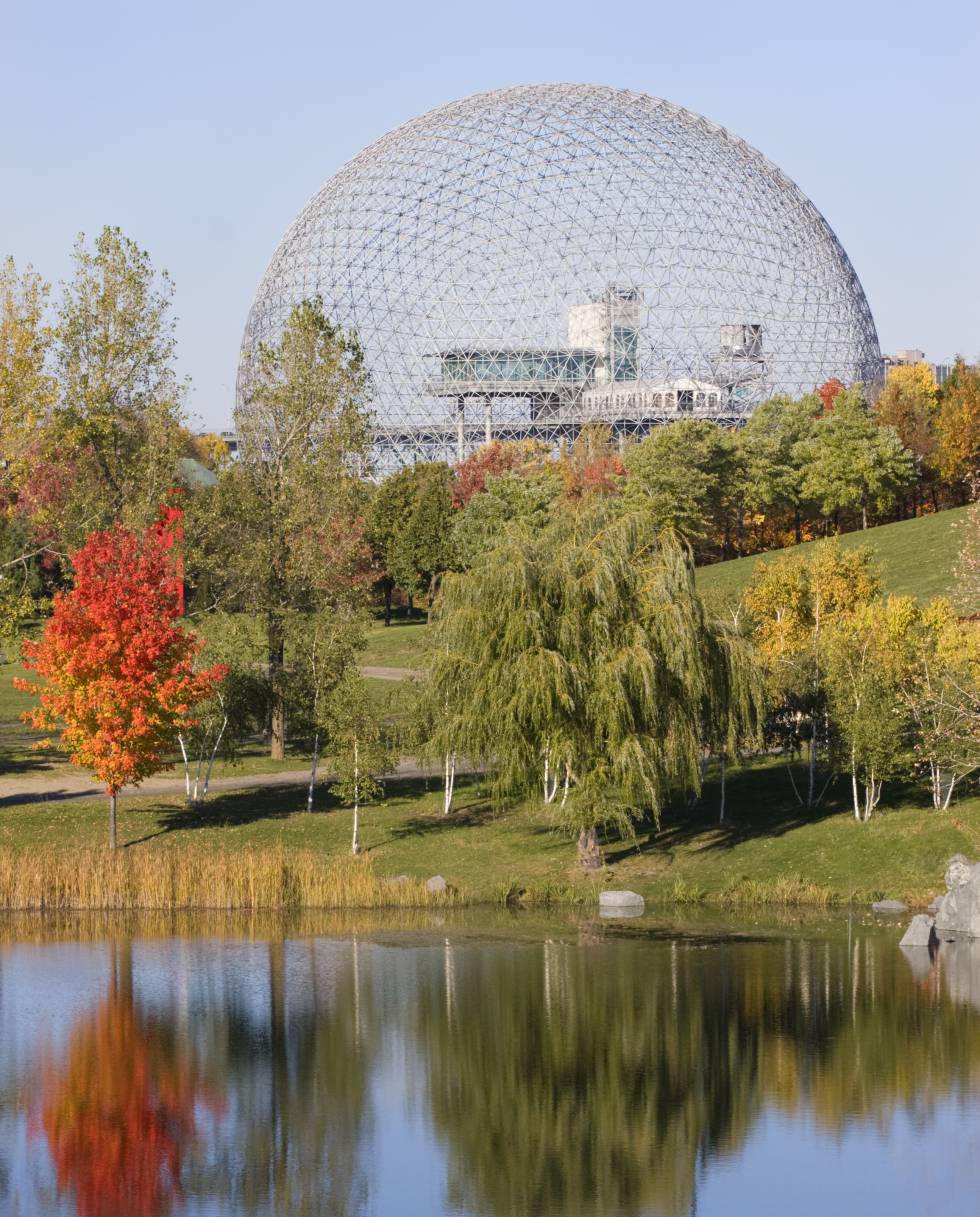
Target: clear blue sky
pixel 201 128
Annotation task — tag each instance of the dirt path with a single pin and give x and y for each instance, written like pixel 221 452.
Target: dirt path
pixel 390 673
pixel 54 787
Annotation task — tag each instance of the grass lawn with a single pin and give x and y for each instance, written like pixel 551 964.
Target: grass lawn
pixel 398 645
pixel 901 853
pixel 915 557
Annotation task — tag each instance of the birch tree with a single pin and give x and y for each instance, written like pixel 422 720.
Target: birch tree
pixel 791 602
pixel 361 746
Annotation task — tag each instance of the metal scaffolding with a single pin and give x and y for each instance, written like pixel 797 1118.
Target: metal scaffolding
pixel 522 262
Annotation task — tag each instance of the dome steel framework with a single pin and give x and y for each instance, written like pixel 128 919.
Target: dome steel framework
pixel 524 261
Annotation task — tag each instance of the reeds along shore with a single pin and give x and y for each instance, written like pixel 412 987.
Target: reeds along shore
pixel 203 879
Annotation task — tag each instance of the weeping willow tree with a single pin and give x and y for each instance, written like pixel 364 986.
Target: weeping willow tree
pixel 577 658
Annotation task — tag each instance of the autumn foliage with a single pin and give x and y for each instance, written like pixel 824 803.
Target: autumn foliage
pixel 119 1113
pixel 116 670
pixel 828 392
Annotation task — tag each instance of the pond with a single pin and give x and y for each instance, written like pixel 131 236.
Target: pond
pixel 484 1063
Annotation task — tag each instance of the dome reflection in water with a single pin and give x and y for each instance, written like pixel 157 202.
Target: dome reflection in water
pixel 485 1066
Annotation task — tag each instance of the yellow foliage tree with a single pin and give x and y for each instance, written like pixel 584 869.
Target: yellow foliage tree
pixel 27 390
pixel 908 402
pixel 958 425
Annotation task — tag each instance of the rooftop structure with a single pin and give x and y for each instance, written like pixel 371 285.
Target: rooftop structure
pixel 525 261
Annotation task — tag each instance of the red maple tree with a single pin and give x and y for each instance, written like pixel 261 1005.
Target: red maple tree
pixel 116 668
pixel 829 391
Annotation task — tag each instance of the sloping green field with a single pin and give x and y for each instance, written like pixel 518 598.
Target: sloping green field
pixel 915 557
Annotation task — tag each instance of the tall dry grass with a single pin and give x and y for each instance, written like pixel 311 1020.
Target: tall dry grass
pixel 198 878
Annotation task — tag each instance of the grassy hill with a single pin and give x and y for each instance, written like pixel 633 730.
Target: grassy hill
pixel 915 557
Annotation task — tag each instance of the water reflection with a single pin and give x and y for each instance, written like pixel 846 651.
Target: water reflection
pixel 552 1069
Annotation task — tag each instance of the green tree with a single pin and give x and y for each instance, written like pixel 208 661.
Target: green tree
pixel 582 644
pixel 322 648
pixel 774 471
pixel 409 524
pixel 851 463
pixel 526 495
pixel 362 746
pixel 864 703
pixel 235 708
pixel 689 478
pixel 287 530
pixel 119 416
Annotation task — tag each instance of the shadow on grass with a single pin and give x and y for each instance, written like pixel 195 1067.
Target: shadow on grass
pixel 759 802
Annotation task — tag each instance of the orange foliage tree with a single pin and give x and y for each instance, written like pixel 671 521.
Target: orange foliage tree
pixel 116 668
pixel 828 392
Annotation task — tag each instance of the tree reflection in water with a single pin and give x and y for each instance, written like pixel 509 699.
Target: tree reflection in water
pixel 597 1072
pixel 599 1079
pixel 118 1112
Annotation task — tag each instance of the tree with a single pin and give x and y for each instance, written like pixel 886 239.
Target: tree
pixel 527 495
pixel 687 477
pixel 935 664
pixel 236 704
pixel 493 460
pixel 409 523
pixel 116 669
pixel 864 703
pixel 792 601
pixel 828 393
pixel 28 390
pixel 362 746
pixel 120 409
pixel 851 463
pixel 958 426
pixel 289 535
pixel 323 649
pixel 774 473
pixel 582 645
pixel 908 403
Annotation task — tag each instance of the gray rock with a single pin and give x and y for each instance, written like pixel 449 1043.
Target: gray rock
pixel 958 914
pixel 921 932
pixel 620 904
pixel 436 884
pixel 400 879
pixel 889 906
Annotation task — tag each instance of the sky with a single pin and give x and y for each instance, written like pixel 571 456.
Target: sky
pixel 201 128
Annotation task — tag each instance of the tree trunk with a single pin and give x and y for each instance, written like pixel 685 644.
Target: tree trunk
pixel 187 767
pixel 112 819
pixel 356 842
pixel 812 763
pixel 798 523
pixel 277 693
pixel 721 800
pixel 214 753
pixel 589 853
pixel 316 758
pixel 450 783
pixel 864 516
pixel 388 590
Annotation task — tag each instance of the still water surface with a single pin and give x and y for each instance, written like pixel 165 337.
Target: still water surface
pixel 484 1064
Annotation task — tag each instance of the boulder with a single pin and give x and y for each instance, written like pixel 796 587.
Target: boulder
pixel 889 906
pixel 400 879
pixel 958 914
pixel 436 884
pixel 921 932
pixel 620 904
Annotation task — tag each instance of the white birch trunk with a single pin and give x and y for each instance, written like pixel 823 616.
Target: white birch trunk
pixel 214 753
pixel 564 792
pixel 550 782
pixel 187 766
pixel 449 785
pixel 356 843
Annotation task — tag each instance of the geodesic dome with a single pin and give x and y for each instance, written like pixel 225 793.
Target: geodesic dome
pixel 522 262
